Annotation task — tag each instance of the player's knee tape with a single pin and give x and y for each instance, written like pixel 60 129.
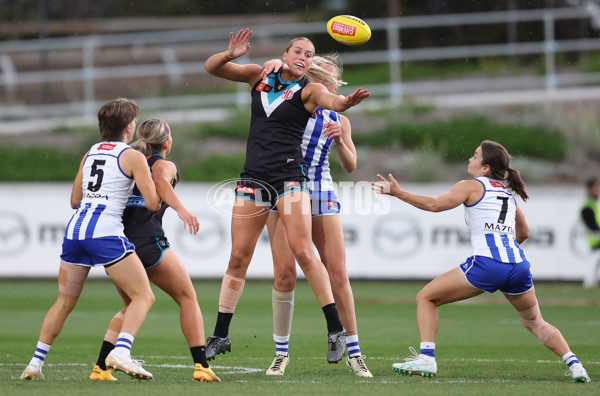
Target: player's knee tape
pixel 231 291
pixel 532 319
pixel 71 278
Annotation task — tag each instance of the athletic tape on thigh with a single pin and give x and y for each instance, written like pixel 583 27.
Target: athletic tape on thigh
pixel 71 278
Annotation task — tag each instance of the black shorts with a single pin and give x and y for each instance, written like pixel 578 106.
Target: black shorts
pixel 266 189
pixel 150 249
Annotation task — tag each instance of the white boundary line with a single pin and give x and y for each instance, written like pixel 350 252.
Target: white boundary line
pixel 251 370
pixel 248 370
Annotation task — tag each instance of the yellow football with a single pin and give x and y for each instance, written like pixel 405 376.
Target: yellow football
pixel 349 30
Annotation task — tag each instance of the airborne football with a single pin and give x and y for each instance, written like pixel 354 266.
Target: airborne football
pixel 349 30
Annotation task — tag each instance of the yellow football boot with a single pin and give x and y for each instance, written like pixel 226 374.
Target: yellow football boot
pixel 204 374
pixel 101 375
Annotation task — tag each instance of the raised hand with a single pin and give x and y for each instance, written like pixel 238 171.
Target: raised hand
pixel 357 96
pixel 239 45
pixel 384 186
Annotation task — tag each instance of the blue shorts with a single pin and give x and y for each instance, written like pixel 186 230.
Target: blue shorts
pixel 323 203
pixel 96 251
pixel 490 275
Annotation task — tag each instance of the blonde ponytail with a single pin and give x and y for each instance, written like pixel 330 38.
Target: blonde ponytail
pixel 151 136
pixel 317 73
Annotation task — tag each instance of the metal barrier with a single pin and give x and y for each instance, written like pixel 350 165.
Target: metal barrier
pixel 394 55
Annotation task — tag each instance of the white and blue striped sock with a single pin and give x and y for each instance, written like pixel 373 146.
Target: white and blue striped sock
pixel 41 350
pixel 282 344
pixel 124 343
pixel 570 359
pixel 352 345
pixel 427 351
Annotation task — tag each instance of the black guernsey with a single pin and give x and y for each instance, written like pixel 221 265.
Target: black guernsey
pixel 138 221
pixel 276 126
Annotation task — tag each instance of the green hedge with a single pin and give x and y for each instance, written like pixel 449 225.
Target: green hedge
pixel 216 167
pixel 38 164
pixel 457 138
pixel 236 126
pixel 453 139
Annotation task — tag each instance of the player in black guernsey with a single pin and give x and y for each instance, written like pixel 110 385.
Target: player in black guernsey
pixel 274 175
pixel 274 161
pixel 276 125
pixel 143 227
pixel 163 266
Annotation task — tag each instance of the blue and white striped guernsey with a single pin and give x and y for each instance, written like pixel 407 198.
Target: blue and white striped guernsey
pixel 491 221
pixel 316 149
pixel 105 192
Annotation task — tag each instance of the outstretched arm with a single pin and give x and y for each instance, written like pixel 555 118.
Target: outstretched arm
pixel 219 64
pixel 318 95
pixel 465 191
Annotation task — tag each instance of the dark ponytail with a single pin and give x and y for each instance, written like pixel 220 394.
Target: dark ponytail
pixel 498 159
pixel 515 183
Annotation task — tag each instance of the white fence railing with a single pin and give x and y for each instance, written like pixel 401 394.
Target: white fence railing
pixel 88 74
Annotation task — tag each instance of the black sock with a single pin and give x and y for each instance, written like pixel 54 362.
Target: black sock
pixel 222 326
pixel 104 351
pixel 333 319
pixel 199 355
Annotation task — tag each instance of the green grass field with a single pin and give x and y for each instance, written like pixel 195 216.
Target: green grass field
pixel 482 348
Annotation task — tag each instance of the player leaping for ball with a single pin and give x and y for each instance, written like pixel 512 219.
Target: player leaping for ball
pixel 275 175
pixel 324 130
